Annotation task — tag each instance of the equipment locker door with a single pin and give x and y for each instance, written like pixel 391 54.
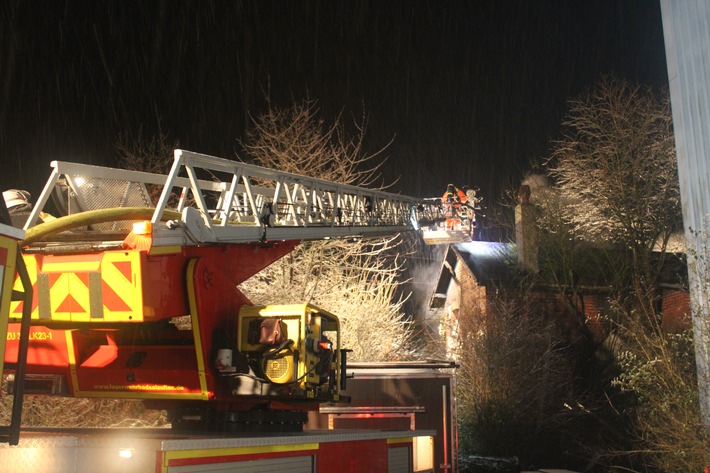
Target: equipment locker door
pixel 302 464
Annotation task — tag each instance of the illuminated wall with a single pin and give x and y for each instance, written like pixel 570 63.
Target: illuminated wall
pixel 686 30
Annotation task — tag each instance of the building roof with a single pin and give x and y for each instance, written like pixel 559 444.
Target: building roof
pixel 487 261
pixel 496 263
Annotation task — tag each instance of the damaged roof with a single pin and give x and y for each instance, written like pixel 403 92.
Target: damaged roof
pixel 487 261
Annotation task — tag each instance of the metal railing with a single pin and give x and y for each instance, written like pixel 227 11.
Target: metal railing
pixel 221 200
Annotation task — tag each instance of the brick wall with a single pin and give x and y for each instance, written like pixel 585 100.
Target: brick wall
pixel 468 299
pixel 676 310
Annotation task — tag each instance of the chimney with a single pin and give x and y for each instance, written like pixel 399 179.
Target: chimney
pixel 526 231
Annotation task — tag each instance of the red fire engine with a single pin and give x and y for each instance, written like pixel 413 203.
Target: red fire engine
pixel 127 298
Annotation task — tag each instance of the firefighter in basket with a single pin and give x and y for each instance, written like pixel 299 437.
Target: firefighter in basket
pixel 453 201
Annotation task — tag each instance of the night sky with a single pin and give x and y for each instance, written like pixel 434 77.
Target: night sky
pixel 470 91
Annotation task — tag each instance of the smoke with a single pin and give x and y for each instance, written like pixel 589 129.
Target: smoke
pixel 539 187
pixel 422 272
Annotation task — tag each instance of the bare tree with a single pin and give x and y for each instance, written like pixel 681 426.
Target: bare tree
pixel 659 371
pixel 358 281
pixel 148 154
pixel 615 168
pixel 297 140
pixel 51 411
pixel 515 381
pixel 611 211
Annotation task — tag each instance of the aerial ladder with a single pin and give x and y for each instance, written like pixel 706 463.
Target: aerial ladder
pixel 131 289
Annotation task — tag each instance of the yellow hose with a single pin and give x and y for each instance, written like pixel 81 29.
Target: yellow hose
pixel 92 217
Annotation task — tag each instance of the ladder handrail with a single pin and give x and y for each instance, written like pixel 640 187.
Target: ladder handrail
pixel 10 433
pixel 223 200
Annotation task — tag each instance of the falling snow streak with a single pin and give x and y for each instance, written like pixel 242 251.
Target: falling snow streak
pixel 470 90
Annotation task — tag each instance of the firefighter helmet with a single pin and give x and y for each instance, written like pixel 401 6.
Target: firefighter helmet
pixel 15 198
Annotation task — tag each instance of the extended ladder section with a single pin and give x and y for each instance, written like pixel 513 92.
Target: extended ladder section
pixel 205 199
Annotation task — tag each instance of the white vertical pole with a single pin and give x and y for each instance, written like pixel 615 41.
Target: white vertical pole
pixel 686 30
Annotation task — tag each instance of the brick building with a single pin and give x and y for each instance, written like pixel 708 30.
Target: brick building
pixel 473 273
